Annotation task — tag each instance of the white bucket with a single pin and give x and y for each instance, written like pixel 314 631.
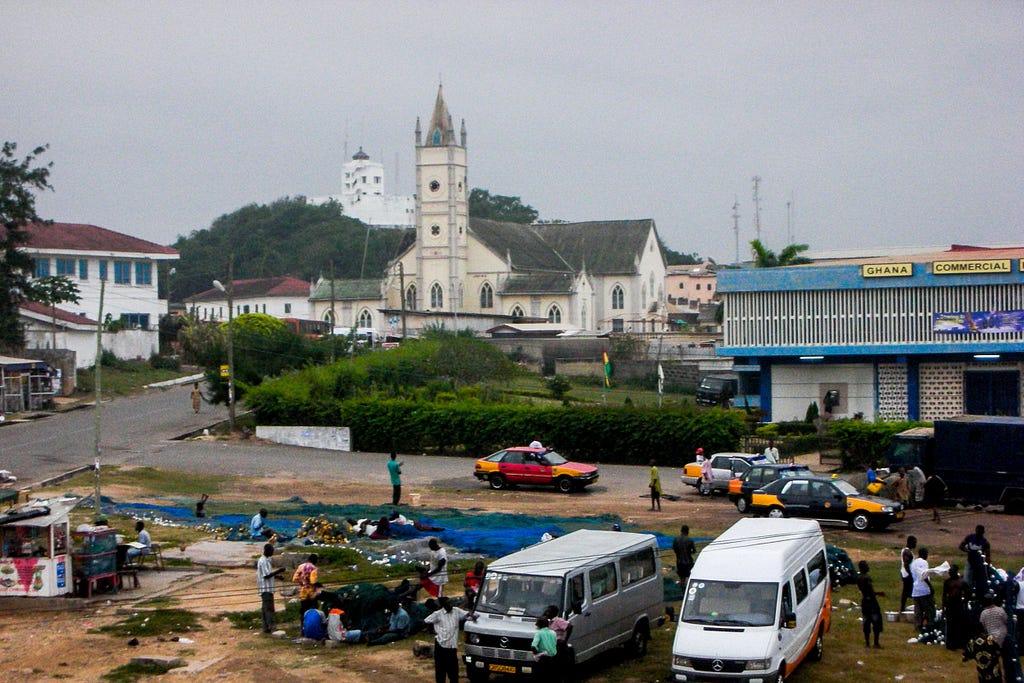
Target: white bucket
pixel 415 498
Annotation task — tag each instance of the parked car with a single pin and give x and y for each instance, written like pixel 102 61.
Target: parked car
pixel 761 474
pixel 724 467
pixel 826 500
pixel 533 466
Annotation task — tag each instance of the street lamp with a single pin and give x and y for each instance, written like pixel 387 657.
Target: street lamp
pixel 229 290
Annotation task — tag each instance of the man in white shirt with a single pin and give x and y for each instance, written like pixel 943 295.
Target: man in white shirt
pixel 438 572
pixel 446 622
pixel 924 597
pixel 142 546
pixel 771 453
pixel 265 574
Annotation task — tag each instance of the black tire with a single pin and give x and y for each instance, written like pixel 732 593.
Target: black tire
pixel 860 521
pixel 777 512
pixel 743 505
pixel 476 675
pixel 565 484
pixel 498 482
pixel 778 676
pixel 637 644
pixel 818 652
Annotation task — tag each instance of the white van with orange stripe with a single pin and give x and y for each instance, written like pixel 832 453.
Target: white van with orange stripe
pixel 758 603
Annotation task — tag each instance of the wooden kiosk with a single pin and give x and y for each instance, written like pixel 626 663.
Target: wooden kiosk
pixel 35 548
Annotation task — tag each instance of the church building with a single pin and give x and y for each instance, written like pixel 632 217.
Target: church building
pixel 470 272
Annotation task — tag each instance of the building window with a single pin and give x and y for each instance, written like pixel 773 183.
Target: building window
pixel 287 308
pixel 618 298
pixel 103 270
pixel 698 286
pixel 487 296
pixel 136 321
pixel 517 312
pixel 617 325
pixel 65 266
pixel 709 286
pixel 410 298
pixel 122 273
pixel 365 318
pixel 42 267
pixel 376 179
pixel 554 314
pixel 83 269
pixel 329 317
pixel 143 273
pixel 245 308
pixel 436 296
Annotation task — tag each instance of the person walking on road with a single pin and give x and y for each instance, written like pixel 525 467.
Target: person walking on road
pixel 395 472
pixel 197 397
pixel 655 487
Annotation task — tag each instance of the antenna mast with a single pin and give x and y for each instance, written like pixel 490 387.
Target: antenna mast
pixel 757 207
pixel 789 220
pixel 736 227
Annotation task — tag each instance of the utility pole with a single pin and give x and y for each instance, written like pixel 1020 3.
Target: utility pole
pixel 230 291
pixel 757 207
pixel 736 227
pixel 401 284
pixel 98 394
pixel 333 316
pixel 789 220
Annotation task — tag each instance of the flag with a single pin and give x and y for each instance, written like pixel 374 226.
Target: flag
pixel 607 369
pixel 661 380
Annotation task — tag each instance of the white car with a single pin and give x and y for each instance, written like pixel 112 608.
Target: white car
pixel 724 467
pixel 6 477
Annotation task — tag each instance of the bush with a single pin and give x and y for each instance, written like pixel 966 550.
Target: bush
pixel 159 362
pixel 863 443
pixel 559 387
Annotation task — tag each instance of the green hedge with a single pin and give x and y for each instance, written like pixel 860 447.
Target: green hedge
pixel 862 443
pixel 596 433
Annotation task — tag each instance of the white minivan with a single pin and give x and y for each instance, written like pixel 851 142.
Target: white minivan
pixel 757 603
pixel 606 583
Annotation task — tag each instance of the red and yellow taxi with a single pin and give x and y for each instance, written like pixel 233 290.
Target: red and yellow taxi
pixel 523 465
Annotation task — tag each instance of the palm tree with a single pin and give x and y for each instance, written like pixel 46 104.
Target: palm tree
pixel 766 258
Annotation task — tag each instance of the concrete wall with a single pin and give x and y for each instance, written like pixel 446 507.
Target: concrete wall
pixel 328 438
pixel 794 387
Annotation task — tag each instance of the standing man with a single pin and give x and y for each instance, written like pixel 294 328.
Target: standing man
pixel 771 453
pixel 446 622
pixel 197 397
pixel 916 479
pixel 265 574
pixel 906 557
pixel 871 611
pixel 978 552
pixel 700 455
pixel 684 548
pixel 924 597
pixel 655 486
pixel 438 571
pixel 395 472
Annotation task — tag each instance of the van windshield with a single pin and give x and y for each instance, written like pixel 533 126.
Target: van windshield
pixel 730 603
pixel 518 594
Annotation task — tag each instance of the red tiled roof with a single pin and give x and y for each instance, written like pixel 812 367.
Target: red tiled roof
pixel 82 237
pixel 268 286
pixel 65 316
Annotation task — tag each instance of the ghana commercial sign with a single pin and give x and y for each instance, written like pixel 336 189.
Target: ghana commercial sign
pixel 887 270
pixel 984 266
pixel 978 322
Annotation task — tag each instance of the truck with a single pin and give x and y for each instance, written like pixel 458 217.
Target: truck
pixel 740 389
pixel 979 457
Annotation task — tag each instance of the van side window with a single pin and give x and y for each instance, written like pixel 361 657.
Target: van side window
pixel 576 592
pixel 816 570
pixel 787 601
pixel 602 581
pixel 637 566
pixel 800 584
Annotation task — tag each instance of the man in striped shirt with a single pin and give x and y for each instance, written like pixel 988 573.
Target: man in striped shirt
pixel 265 574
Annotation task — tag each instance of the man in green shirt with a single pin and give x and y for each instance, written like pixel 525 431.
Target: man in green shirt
pixel 395 472
pixel 545 649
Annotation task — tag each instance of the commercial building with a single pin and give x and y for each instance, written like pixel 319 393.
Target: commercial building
pixel 912 335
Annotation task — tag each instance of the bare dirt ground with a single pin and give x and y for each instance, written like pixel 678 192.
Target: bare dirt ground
pixel 57 645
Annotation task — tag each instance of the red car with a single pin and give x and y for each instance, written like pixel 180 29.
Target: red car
pixel 533 466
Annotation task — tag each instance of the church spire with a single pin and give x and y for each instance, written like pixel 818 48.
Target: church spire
pixel 440 133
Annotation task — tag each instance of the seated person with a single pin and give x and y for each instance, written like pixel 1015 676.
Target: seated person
pixel 418 524
pixel 201 506
pixel 382 531
pixel 258 528
pixel 397 628
pixel 142 546
pixel 337 629
pixel 314 625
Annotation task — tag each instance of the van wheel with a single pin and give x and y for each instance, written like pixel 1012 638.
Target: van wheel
pixel 776 513
pixel 638 641
pixel 819 648
pixel 780 674
pixel 498 482
pixel 476 675
pixel 860 522
pixel 565 484
pixel 742 504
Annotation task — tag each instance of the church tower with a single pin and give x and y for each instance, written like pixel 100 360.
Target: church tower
pixel 442 211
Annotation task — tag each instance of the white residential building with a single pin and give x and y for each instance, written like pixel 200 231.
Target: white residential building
pixel 363 197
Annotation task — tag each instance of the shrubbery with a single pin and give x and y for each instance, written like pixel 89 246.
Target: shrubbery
pixel 862 443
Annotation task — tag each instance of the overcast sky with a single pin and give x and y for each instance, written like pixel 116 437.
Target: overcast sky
pixel 870 124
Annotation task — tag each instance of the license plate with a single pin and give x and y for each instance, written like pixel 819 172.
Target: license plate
pixel 501 668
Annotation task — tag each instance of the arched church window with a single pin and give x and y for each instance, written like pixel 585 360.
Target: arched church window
pixel 329 316
pixel 436 296
pixel 583 316
pixel 554 314
pixel 618 298
pixel 365 318
pixel 517 312
pixel 410 298
pixel 437 136
pixel 487 296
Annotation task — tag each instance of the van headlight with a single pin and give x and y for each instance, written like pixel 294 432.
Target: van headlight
pixel 678 660
pixel 758 664
pixel 473 638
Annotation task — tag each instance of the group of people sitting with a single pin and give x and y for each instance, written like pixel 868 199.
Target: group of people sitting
pixel 381 529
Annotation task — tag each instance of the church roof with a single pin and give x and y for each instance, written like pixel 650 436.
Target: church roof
pixel 540 283
pixel 602 247
pixel 525 246
pixel 440 121
pixel 346 290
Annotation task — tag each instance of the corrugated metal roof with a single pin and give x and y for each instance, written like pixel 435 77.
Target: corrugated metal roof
pixel 84 237
pixel 347 290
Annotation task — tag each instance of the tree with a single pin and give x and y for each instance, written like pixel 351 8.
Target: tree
pixel 19 180
pixel 677 258
pixel 766 258
pixel 53 290
pixel 482 204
